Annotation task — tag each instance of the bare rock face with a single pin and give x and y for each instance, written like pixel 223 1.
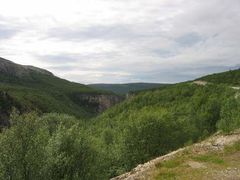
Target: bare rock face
pixel 10 68
pixel 100 102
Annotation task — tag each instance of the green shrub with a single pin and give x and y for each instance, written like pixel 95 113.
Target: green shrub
pixel 230 115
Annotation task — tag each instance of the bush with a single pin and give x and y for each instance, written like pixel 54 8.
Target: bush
pixel 50 147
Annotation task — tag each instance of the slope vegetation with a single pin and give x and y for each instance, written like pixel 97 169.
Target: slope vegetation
pixel 230 78
pixel 29 88
pixel 153 123
pixel 147 125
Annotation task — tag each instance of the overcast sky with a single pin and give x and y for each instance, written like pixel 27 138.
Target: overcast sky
pixel 116 41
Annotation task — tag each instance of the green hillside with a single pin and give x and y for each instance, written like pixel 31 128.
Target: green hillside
pixel 29 88
pixel 145 126
pixel 156 122
pixel 126 88
pixel 231 77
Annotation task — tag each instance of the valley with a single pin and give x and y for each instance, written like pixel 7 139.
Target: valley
pixel 119 90
pixel 56 129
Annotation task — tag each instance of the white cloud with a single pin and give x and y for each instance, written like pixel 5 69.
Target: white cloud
pixel 125 40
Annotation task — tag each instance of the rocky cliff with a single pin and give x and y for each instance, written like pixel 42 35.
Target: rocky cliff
pixel 100 102
pixel 97 102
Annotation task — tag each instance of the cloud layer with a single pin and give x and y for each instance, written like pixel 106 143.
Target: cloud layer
pixel 113 41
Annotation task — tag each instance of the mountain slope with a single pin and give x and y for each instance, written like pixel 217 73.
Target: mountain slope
pixel 155 122
pixel 230 78
pixel 29 88
pixel 145 126
pixel 126 88
pixel 9 68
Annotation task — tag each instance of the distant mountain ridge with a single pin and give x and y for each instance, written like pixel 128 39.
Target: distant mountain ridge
pixel 126 88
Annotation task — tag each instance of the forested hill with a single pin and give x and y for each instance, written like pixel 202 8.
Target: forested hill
pixel 126 88
pixel 231 77
pixel 147 125
pixel 29 88
pixel 155 122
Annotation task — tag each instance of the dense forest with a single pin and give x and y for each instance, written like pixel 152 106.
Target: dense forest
pixel 146 125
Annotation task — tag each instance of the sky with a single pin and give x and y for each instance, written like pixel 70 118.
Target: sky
pixel 120 41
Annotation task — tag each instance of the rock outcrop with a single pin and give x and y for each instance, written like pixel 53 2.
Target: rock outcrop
pixel 100 102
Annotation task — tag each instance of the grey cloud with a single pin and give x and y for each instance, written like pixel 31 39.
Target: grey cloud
pixel 6 32
pixel 57 59
pixel 164 53
pixel 158 46
pixel 109 32
pixel 188 40
pixel 8 27
pixel 73 58
pixel 62 68
pixel 63 63
pixel 204 29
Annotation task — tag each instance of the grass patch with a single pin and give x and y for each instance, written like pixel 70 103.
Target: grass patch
pixel 232 149
pixel 166 176
pixel 212 158
pixel 171 163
